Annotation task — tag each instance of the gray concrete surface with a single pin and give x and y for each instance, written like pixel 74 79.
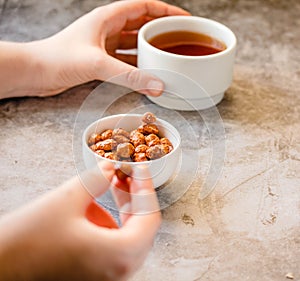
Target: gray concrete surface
pixel 248 227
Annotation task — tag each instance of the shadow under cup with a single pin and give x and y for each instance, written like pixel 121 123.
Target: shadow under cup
pixel 191 82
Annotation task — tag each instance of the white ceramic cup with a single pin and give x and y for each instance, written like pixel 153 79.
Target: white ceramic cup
pixel 191 82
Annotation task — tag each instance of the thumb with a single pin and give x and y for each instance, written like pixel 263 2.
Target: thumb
pixel 83 188
pixel 121 73
pixel 143 196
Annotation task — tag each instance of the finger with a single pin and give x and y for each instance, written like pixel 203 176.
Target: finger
pixel 118 72
pixel 145 217
pixel 157 9
pixel 148 8
pixel 128 40
pixel 122 12
pixel 136 23
pixel 84 188
pixel 143 195
pixel 120 192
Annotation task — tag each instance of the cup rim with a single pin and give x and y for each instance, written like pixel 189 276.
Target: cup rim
pixel 161 122
pixel 151 23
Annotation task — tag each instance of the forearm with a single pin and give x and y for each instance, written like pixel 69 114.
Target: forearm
pixel 17 66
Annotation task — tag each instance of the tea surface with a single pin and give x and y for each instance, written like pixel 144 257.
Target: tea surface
pixel 187 43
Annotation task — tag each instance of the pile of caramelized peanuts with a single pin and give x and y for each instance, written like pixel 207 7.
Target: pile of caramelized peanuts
pixel 139 145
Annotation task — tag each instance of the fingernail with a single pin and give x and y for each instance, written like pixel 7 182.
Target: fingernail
pixel 155 87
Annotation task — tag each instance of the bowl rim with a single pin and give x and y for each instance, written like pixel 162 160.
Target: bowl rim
pixel 161 123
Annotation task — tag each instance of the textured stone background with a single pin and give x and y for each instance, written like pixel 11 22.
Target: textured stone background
pixel 248 228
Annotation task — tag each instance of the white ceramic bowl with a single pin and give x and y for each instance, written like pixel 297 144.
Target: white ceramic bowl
pixel 160 169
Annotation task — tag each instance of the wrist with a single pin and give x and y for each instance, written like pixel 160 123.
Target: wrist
pixel 21 67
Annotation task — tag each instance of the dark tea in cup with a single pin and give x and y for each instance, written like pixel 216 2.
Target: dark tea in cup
pixel 187 43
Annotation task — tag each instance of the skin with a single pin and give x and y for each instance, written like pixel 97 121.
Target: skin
pixel 82 52
pixel 51 238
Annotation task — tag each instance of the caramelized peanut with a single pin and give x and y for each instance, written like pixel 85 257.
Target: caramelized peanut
pixel 155 152
pixel 100 152
pixel 93 147
pixel 94 138
pixel 166 148
pixel 106 145
pixel 123 172
pixel 111 155
pixel 120 139
pixel 150 129
pixel 140 157
pixel 122 132
pixel 137 139
pixel 125 150
pixel 107 134
pixel 152 140
pixel 166 141
pixel 142 148
pixel 149 118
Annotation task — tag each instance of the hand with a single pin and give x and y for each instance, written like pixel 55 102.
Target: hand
pixel 51 239
pixel 86 50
